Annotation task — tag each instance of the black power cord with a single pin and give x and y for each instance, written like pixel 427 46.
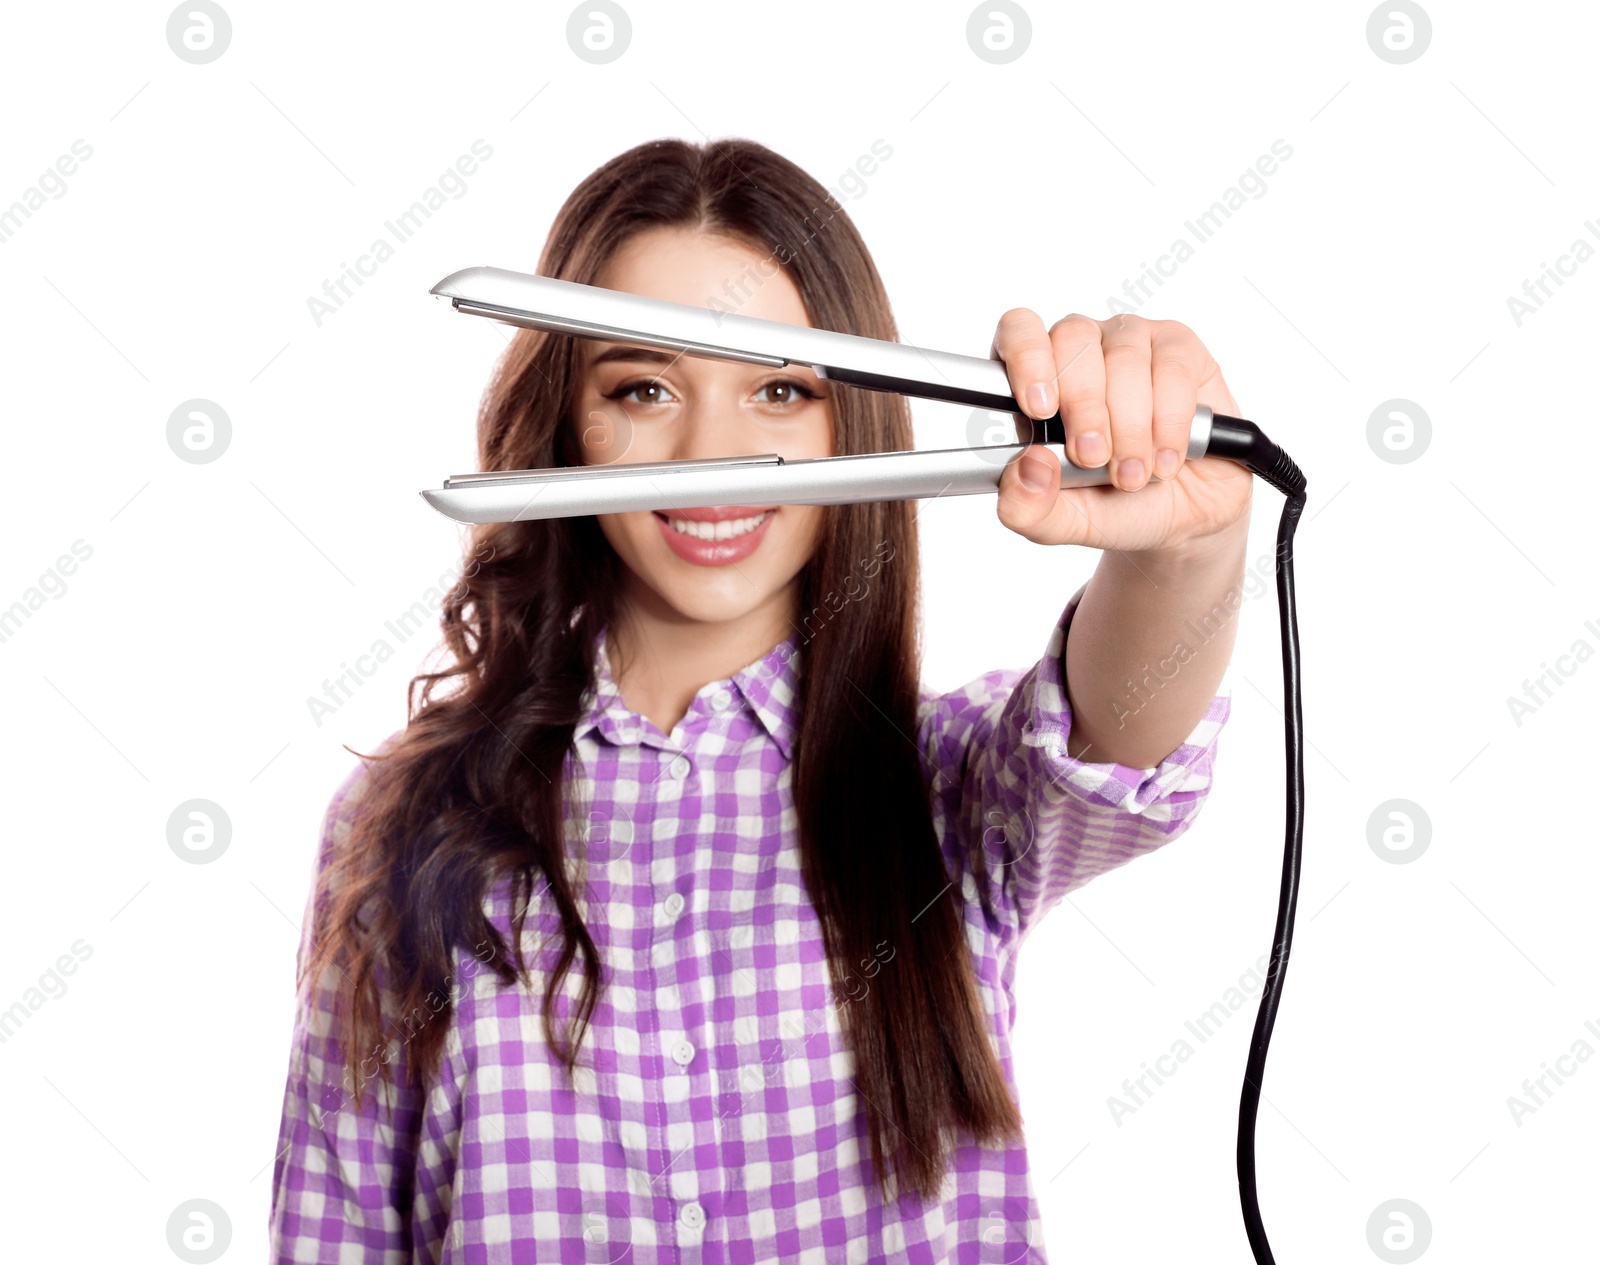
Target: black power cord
pixel 1242 441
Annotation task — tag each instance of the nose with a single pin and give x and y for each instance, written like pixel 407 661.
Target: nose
pixel 710 425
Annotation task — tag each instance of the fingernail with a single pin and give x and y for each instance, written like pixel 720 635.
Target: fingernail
pixel 1091 449
pixel 1129 471
pixel 1039 398
pixel 1028 472
pixel 1166 463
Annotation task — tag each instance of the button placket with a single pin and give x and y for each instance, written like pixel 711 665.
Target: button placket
pixel 675 978
pixel 677 1092
pixel 672 819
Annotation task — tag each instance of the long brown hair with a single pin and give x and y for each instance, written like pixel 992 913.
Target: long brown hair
pixel 471 790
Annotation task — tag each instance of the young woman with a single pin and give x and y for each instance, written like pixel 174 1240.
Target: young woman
pixel 683 925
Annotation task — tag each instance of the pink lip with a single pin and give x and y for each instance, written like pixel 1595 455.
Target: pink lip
pixel 715 553
pixel 717 513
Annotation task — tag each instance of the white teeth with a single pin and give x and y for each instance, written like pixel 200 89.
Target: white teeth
pixel 725 530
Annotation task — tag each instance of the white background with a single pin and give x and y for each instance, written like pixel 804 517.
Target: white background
pixel 218 597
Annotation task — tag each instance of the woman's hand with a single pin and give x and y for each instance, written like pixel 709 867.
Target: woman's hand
pixel 1126 389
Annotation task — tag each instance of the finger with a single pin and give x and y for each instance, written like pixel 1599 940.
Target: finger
pixel 1081 384
pixel 1051 515
pixel 1128 399
pixel 1177 362
pixel 1021 342
pixel 1030 495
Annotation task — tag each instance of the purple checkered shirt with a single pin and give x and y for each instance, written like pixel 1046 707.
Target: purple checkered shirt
pixel 715 1117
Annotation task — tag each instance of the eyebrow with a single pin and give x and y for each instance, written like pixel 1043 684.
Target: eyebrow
pixel 655 356
pixel 651 355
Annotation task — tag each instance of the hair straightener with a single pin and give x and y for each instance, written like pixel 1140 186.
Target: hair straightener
pixel 566 307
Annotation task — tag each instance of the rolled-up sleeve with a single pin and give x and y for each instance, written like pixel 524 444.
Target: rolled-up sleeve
pixel 342 1177
pixel 1028 821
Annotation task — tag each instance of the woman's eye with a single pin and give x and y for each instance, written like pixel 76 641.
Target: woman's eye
pixel 787 391
pixel 650 391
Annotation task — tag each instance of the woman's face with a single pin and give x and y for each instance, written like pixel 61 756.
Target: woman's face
pixel 641 404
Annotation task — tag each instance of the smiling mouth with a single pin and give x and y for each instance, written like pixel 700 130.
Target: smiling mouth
pixel 727 529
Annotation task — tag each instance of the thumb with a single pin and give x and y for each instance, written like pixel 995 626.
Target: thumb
pixel 1030 494
pixel 1038 470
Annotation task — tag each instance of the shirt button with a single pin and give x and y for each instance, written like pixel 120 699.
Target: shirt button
pixel 682 1052
pixel 673 905
pixel 721 699
pixel 692 1215
pixel 679 768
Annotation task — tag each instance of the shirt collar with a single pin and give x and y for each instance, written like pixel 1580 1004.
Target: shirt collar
pixel 768 686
